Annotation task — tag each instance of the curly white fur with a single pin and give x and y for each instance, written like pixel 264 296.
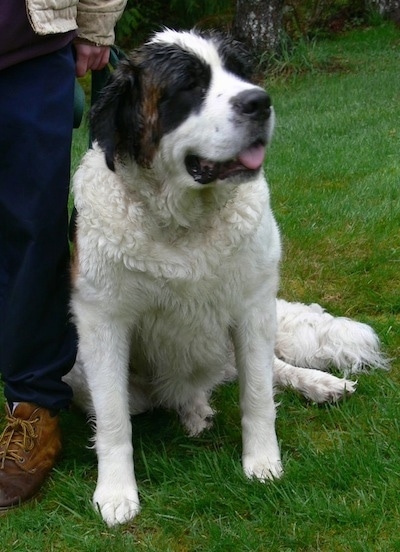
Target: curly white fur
pixel 310 337
pixel 175 282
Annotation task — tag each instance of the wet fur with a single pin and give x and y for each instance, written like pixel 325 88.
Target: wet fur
pixel 175 282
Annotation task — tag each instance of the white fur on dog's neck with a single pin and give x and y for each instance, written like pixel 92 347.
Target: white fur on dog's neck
pixel 145 224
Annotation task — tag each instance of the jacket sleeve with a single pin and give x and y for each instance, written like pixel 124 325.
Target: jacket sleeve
pixel 96 20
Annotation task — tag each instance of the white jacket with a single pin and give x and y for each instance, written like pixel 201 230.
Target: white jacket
pixel 94 19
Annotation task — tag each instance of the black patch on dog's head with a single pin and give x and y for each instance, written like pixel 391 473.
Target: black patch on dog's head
pixel 184 81
pixel 235 57
pixel 112 115
pixel 148 96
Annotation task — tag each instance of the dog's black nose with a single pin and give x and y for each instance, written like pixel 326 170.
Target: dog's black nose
pixel 253 104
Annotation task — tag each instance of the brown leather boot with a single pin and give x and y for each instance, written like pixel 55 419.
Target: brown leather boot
pixel 29 446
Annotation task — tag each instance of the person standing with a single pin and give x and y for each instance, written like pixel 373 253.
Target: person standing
pixel 43 46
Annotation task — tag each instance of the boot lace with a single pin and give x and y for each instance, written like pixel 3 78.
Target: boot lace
pixel 18 436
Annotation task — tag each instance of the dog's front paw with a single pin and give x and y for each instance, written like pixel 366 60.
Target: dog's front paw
pixel 262 468
pixel 116 505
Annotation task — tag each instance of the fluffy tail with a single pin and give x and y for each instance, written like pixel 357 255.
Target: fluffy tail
pixel 309 337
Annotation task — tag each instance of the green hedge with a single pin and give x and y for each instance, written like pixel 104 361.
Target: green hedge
pixel 302 18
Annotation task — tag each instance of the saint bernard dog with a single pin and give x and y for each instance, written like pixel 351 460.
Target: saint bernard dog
pixel 176 265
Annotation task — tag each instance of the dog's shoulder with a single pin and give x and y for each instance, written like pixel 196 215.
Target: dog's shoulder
pixel 99 193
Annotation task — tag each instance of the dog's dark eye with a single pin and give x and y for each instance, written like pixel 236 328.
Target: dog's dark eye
pixel 185 90
pixel 185 93
pixel 194 87
pixel 178 104
pixel 189 85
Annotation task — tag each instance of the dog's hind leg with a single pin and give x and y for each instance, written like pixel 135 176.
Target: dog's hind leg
pixel 76 379
pixel 315 385
pixel 196 415
pixel 139 395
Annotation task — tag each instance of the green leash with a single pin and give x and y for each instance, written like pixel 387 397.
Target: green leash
pixel 79 104
pixel 99 80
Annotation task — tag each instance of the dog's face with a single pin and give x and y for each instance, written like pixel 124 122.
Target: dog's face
pixel 185 100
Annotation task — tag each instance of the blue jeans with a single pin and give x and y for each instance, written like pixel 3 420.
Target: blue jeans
pixel 37 338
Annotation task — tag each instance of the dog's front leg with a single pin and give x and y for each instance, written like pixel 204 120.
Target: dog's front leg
pixel 104 349
pixel 254 343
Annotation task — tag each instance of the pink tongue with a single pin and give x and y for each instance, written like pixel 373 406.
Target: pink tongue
pixel 253 157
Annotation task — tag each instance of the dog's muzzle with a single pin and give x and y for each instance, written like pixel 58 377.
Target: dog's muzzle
pixel 205 171
pixel 252 109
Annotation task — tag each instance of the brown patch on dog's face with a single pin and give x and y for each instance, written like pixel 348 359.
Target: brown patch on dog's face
pixel 150 134
pixel 74 267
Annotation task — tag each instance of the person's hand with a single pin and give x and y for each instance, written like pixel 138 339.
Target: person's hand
pixel 90 57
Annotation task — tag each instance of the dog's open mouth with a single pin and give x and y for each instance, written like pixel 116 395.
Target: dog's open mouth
pixel 248 161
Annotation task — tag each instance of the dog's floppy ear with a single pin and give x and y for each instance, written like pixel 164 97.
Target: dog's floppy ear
pixel 124 121
pixel 114 116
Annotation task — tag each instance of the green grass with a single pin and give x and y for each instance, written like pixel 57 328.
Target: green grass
pixel 335 179
pixel 334 173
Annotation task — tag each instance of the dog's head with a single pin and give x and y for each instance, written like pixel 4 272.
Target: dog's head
pixel 186 98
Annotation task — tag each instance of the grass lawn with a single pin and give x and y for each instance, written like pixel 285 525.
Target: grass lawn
pixel 334 173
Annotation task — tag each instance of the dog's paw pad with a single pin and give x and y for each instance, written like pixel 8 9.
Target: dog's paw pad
pixel 262 469
pixel 331 389
pixel 197 419
pixel 194 425
pixel 117 508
